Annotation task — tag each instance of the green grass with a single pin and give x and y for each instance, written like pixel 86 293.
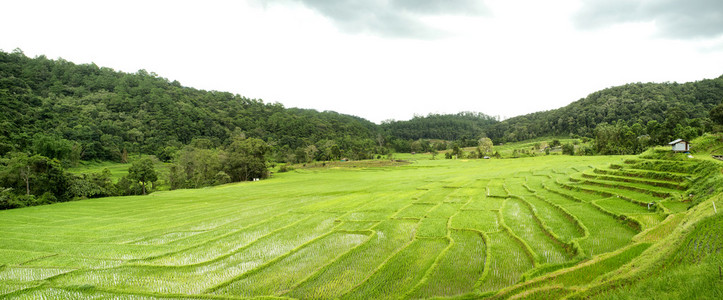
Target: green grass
pixel 282 275
pixel 458 270
pixel 697 281
pixel 507 262
pixel 560 222
pixel 358 264
pixel 480 220
pixel 117 170
pixel 403 270
pixel 519 218
pixel 432 228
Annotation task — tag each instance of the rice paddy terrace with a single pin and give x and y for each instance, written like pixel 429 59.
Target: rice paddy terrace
pixel 537 227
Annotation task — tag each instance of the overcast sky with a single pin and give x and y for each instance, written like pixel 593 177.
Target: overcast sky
pixel 384 59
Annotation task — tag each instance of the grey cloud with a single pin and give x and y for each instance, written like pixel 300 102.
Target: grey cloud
pixel 673 18
pixel 391 18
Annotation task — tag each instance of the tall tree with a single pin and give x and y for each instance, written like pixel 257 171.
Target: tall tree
pixel 143 171
pixel 716 114
pixel 485 145
pixel 246 159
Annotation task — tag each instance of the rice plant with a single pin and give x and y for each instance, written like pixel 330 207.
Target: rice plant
pixel 401 272
pixel 519 218
pixel 459 269
pixel 428 229
pixel 506 264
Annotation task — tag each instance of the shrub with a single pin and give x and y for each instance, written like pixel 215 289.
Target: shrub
pixel 568 149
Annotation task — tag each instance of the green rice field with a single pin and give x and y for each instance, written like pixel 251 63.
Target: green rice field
pixel 433 228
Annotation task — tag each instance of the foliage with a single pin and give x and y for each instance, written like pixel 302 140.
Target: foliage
pixel 33 180
pixel 93 185
pixel 143 171
pixel 244 159
pixel 84 112
pixel 716 114
pixel 486 146
pixel 568 149
pixel 664 110
pixel 453 127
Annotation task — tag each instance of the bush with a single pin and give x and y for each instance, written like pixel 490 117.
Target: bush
pixel 568 149
pixel 222 178
pixel 127 187
pixel 587 151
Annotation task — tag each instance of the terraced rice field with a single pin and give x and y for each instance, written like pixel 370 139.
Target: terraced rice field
pixel 430 229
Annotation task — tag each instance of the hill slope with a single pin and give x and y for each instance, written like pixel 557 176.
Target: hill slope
pixel 99 112
pixel 663 111
pixel 659 108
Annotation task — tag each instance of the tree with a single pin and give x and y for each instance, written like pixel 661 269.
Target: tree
pixel 486 145
pixel 246 159
pixel 34 176
pixel 716 114
pixel 568 149
pixel 143 171
pixel 416 146
pixel 456 151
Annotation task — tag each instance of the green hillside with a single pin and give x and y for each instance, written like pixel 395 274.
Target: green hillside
pixel 661 112
pixel 87 112
pixel 451 127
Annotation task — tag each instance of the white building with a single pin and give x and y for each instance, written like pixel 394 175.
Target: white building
pixel 680 145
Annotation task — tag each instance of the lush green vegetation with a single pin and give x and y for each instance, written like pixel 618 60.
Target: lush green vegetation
pixel 56 115
pixel 662 111
pixel 434 228
pixel 75 112
pixel 71 112
pixel 554 222
pixel 623 120
pixel 464 125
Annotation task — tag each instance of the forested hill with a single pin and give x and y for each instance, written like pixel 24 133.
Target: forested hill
pixel 659 110
pixel 468 125
pixel 68 111
pixel 655 112
pixel 61 109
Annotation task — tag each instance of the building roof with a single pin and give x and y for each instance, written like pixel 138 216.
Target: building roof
pixel 676 141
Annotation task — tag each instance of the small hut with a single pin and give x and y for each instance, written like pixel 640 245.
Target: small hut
pixel 680 145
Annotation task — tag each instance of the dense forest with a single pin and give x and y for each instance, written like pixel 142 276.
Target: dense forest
pixel 85 112
pixel 653 113
pixel 623 120
pixel 452 127
pixel 54 114
pixel 661 110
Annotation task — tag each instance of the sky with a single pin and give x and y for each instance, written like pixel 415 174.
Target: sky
pixel 384 59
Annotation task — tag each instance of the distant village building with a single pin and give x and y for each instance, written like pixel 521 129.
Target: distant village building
pixel 680 145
